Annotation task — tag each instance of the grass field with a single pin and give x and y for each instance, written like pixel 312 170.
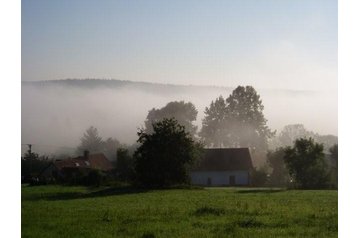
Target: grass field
pixel 57 211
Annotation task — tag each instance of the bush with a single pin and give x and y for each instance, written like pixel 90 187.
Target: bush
pixel 259 177
pixel 94 178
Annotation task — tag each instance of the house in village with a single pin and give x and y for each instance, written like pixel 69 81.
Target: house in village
pixel 81 165
pixel 223 167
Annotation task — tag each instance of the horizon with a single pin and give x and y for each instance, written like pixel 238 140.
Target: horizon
pixel 268 44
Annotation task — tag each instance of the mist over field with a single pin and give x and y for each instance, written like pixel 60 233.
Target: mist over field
pixel 55 114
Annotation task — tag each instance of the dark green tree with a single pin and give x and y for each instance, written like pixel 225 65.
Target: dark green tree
pixel 334 164
pixel 214 131
pixel 125 165
pixel 184 113
pixel 279 175
pixel 165 156
pixel 91 141
pixel 306 164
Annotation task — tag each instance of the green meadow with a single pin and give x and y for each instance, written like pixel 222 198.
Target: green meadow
pixel 60 211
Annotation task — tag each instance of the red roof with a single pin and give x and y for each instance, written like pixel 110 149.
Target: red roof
pixel 94 161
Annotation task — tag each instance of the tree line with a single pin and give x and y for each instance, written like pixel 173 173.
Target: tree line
pixel 169 144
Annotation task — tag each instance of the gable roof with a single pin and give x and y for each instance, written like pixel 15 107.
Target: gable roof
pixel 70 163
pixel 225 159
pixel 94 161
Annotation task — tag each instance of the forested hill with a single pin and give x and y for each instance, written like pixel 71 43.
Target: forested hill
pixel 117 84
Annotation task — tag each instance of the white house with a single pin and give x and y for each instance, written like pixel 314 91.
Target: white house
pixel 223 167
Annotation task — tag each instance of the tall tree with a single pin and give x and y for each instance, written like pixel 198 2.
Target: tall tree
pixel 184 113
pixel 213 131
pixel 165 156
pixel 245 121
pixel 306 164
pixel 91 141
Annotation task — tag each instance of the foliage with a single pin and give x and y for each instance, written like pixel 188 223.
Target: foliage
pixel 110 147
pixel 32 166
pixel 292 132
pixel 246 119
pixel 237 122
pixel 279 176
pixel 91 141
pixel 259 177
pixel 214 212
pixel 94 178
pixel 125 165
pixel 165 156
pixel 334 165
pixel 306 164
pixel 184 113
pixel 213 131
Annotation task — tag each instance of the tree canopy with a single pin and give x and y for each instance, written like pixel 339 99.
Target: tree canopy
pixel 213 131
pixel 91 141
pixel 237 122
pixel 292 132
pixel 164 156
pixel 306 164
pixel 184 113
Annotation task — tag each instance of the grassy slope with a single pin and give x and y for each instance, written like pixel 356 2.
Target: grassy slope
pixel 55 211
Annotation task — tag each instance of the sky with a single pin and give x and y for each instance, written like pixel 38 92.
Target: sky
pixel 268 44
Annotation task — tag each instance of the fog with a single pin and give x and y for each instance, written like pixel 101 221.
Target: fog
pixel 53 118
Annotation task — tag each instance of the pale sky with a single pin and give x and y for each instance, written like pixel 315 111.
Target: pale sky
pixel 268 44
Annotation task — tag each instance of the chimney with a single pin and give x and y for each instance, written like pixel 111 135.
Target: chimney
pixel 86 155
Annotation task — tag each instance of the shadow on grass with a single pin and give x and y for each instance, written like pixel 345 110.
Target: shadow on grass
pixel 81 195
pixel 265 191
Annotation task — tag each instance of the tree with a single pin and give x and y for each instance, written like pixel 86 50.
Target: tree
pixel 334 164
pixel 91 141
pixel 165 156
pixel 213 132
pixel 237 122
pixel 110 147
pixel 292 132
pixel 184 113
pixel 124 165
pixel 279 175
pixel 306 164
pixel 245 120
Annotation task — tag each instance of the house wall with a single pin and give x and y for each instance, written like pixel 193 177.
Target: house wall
pixel 219 178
